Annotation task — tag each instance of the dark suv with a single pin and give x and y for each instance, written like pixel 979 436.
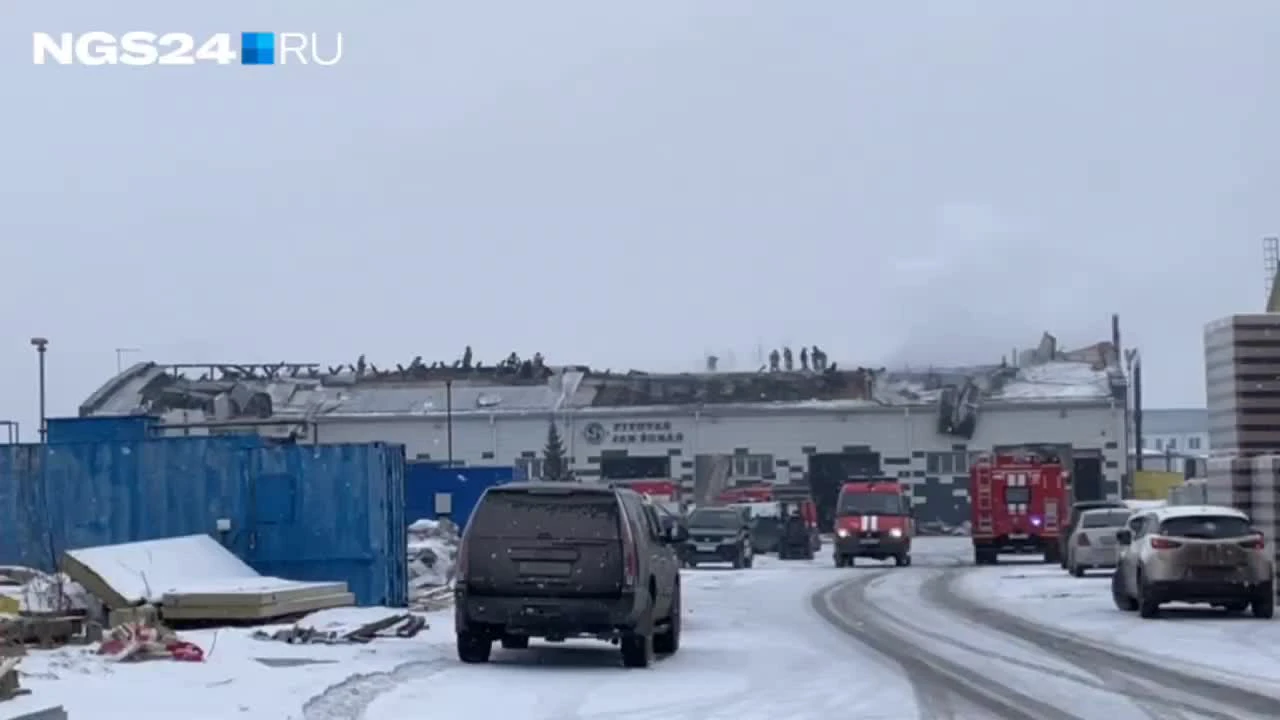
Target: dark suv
pixel 561 560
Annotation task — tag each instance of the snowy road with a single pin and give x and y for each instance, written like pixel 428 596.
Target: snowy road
pixel 752 649
pixel 935 641
pixel 969 658
pixel 939 640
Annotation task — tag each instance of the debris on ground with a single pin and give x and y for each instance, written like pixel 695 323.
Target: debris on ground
pixel 194 578
pixel 400 625
pixel 9 686
pixel 44 631
pixel 28 590
pixel 146 641
pixel 433 553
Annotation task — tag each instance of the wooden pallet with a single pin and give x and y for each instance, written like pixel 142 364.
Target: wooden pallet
pixel 41 631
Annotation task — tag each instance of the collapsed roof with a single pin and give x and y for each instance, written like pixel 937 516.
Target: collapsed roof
pixel 305 390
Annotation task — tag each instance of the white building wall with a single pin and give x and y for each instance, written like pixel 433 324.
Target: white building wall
pixel 903 436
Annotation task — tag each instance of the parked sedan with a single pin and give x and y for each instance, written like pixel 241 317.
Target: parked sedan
pixel 1093 543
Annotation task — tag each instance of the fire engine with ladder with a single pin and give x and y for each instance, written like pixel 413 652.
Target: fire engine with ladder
pixel 1019 503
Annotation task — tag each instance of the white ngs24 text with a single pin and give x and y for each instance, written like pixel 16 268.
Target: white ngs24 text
pixel 140 48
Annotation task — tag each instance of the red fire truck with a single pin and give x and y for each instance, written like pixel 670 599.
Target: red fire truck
pixel 663 492
pixel 1019 504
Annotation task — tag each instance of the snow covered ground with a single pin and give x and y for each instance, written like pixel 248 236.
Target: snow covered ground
pixel 232 682
pixel 752 648
pixel 1242 646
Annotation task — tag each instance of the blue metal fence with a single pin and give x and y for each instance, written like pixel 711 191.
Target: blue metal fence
pixel 306 512
pixel 426 482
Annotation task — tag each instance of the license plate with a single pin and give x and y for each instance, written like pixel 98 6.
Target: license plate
pixel 1212 573
pixel 706 547
pixel 870 541
pixel 1107 540
pixel 1019 536
pixel 545 569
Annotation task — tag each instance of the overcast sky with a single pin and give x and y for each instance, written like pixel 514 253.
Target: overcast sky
pixel 635 184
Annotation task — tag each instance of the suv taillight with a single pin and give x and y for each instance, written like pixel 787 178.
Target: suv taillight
pixel 1083 541
pixel 460 567
pixel 1257 542
pixel 1163 543
pixel 630 563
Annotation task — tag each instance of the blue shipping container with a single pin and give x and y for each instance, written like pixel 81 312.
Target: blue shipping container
pixel 130 428
pixel 305 512
pixel 432 490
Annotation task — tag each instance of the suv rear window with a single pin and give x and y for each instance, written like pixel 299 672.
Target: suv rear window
pixel 527 515
pixel 1208 527
pixel 1113 518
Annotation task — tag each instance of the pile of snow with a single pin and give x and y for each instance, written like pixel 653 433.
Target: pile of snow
pixel 433 554
pixel 40 592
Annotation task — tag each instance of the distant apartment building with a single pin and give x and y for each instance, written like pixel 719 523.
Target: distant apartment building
pixel 1242 367
pixel 1176 430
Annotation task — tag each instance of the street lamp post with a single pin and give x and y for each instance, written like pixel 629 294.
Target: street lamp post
pixel 448 418
pixel 41 345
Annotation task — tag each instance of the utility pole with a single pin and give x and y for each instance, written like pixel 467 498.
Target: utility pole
pixel 1136 364
pixel 448 418
pixel 41 345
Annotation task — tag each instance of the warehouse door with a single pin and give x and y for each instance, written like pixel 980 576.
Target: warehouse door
pixel 828 471
pixel 633 467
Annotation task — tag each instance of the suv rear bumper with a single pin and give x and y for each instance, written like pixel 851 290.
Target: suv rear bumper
pixel 1207 591
pixel 544 617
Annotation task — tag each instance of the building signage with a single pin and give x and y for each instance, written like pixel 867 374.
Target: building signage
pixel 631 433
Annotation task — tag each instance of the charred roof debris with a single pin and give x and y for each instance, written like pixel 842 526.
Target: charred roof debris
pixel 231 391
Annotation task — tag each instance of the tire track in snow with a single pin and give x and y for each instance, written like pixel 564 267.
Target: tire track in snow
pixel 1121 667
pixel 936 679
pixel 1149 701
pixel 348 699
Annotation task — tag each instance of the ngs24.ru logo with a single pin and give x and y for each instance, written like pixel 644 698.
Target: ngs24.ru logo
pixel 141 48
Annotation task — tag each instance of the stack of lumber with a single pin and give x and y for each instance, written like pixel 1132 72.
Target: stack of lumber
pixel 194 578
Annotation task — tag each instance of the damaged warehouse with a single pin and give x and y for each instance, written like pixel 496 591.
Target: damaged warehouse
pixel 706 430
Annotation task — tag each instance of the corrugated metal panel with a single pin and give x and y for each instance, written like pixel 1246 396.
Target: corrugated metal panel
pixel 424 481
pixel 328 512
pixel 397 524
pixel 23 514
pixel 130 428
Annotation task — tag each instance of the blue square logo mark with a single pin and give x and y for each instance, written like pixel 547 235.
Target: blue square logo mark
pixel 257 48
